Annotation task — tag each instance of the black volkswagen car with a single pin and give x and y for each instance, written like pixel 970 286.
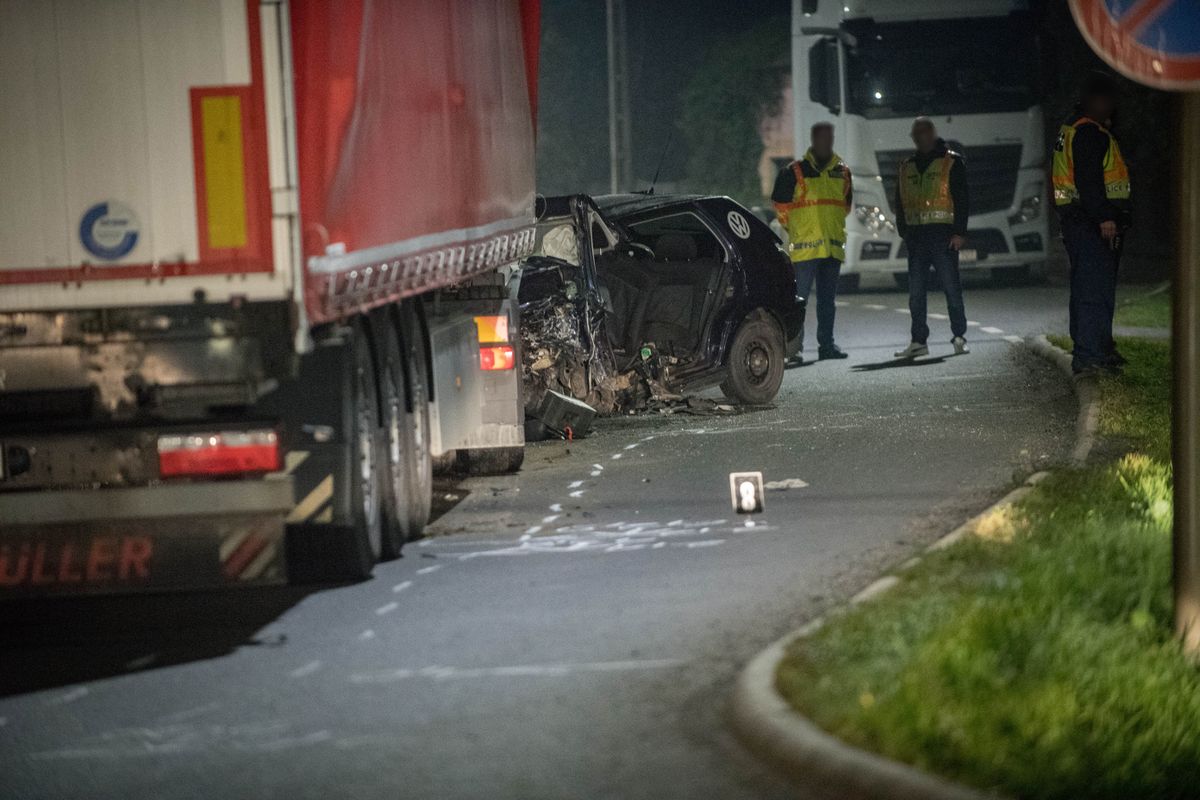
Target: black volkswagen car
pixel 661 295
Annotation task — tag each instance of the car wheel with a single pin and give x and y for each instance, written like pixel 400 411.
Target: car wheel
pixel 755 362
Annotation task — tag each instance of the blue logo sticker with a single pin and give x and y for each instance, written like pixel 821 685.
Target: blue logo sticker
pixel 109 230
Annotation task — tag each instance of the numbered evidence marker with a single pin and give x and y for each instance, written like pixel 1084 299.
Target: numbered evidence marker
pixel 746 492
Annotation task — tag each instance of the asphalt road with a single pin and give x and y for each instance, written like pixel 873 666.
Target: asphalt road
pixel 569 632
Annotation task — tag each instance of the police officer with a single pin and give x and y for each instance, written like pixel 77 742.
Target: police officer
pixel 812 197
pixel 932 207
pixel 1091 194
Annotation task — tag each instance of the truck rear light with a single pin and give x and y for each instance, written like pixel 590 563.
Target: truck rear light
pixel 226 453
pixel 492 330
pixel 496 357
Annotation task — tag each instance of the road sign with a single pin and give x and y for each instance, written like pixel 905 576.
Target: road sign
pixel 1155 42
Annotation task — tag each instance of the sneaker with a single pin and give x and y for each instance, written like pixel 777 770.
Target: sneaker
pixel 832 351
pixel 960 346
pixel 913 350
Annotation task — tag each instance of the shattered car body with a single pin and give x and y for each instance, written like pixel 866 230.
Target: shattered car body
pixel 635 300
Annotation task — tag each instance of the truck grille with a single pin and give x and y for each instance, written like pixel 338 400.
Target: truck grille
pixel 991 174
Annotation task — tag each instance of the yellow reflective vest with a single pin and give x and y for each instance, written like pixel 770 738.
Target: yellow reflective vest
pixel 815 220
pixel 1116 174
pixel 925 196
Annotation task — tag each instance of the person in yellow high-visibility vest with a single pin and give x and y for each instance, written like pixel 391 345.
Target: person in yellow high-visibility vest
pixel 812 196
pixel 932 207
pixel 1091 194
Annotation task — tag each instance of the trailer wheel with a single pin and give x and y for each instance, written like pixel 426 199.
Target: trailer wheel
pixel 420 463
pixel 364 478
pixel 755 362
pixel 395 479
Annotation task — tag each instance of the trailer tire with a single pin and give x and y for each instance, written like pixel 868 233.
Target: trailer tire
pixel 364 441
pixel 418 387
pixel 755 361
pixel 395 465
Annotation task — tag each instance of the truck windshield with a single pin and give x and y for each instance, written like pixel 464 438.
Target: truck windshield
pixel 939 67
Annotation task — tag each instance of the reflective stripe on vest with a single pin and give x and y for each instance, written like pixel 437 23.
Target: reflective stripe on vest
pixel 925 196
pixel 1116 174
pixel 816 218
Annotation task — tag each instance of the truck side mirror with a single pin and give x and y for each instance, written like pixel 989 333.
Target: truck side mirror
pixel 824 75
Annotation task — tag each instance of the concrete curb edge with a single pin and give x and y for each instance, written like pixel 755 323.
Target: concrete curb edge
pixel 776 732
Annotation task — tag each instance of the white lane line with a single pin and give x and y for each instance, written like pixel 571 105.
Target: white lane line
pixel 937 316
pixel 556 507
pixel 69 697
pixel 598 466
pixel 366 635
pixel 549 519
pixel 400 587
pixel 532 529
pixel 993 331
pixel 596 473
pixel 427 570
pixel 574 484
pixel 972 323
pixel 632 446
pixel 307 669
pixel 900 310
pixel 705 543
pixel 875 306
pixel 578 493
pixel 616 456
pixel 443 673
pixel 1013 339
pixel 387 608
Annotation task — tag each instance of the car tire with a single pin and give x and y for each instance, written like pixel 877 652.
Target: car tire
pixel 755 361
pixel 364 443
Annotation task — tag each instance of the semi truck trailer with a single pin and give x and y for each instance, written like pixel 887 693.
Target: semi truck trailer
pixel 871 66
pixel 256 275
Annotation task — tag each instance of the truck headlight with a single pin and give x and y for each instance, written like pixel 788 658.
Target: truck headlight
pixel 1030 208
pixel 873 218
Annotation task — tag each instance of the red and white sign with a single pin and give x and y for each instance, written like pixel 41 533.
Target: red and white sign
pixel 1155 42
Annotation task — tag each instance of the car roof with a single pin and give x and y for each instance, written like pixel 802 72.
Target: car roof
pixel 621 205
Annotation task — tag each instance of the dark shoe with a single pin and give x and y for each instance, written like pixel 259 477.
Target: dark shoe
pixel 795 361
pixel 1115 359
pixel 832 351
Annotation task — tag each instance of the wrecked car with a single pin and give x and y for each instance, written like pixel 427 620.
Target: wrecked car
pixel 634 300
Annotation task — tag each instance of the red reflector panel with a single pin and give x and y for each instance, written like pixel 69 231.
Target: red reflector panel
pixel 230 453
pixel 493 358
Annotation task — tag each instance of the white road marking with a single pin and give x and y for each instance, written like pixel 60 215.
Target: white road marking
pixel 427 570
pixel 972 323
pixel 400 587
pixel 443 673
pixel 875 306
pixel 578 493
pixel 937 316
pixel 69 697
pixel 900 310
pixel 307 669
pixel 616 456
pixel 549 519
pixel 387 608
pixel 1013 339
pixel 532 529
pixel 595 473
pixel 598 466
pixel 556 507
pixel 574 484
pixel 786 483
pixel 632 446
pixel 705 543
pixel 365 635
pixel 993 331
pixel 840 303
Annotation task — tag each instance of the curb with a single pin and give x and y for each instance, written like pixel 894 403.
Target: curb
pixel 1086 390
pixel 824 764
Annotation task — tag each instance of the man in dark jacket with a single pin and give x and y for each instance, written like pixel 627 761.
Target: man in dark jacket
pixel 932 208
pixel 1091 194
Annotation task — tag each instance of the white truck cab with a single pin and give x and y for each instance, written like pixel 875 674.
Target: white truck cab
pixel 871 66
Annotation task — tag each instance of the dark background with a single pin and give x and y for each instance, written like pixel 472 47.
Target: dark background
pixel 703 72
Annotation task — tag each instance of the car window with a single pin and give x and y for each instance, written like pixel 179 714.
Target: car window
pixel 679 236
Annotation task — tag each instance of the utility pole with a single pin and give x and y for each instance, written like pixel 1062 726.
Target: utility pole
pixel 1185 344
pixel 620 150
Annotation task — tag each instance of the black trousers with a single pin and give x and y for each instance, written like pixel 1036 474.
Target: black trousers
pixel 1093 293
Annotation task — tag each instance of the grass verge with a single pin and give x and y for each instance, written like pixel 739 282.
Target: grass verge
pixel 1035 657
pixel 1138 308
